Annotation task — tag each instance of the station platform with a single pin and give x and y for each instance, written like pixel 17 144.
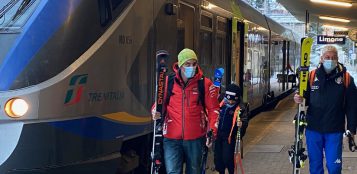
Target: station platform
pixel 268 139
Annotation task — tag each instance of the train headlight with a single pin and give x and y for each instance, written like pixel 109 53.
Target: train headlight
pixel 16 107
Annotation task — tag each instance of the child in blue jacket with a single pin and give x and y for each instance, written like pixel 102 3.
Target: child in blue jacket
pixel 227 131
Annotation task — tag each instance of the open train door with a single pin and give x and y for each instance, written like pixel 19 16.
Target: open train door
pixel 237 52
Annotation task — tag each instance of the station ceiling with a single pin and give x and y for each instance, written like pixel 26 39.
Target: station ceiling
pixel 298 9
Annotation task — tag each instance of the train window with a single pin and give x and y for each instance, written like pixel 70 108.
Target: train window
pixel 206 47
pixel 116 3
pixel 185 27
pixel 14 14
pixel 206 21
pixel 248 67
pixel 221 25
pixel 256 62
pixel 104 12
pixel 118 6
pixel 221 50
pixel 221 40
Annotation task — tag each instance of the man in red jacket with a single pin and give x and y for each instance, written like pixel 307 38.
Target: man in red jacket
pixel 185 124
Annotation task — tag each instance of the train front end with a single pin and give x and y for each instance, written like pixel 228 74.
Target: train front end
pixel 66 105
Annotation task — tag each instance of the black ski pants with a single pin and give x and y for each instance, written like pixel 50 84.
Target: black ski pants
pixel 224 155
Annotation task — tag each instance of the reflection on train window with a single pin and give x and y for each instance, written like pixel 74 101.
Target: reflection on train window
pixel 221 50
pixel 104 12
pixel 248 66
pixel 180 35
pixel 206 20
pixel 14 14
pixel 118 6
pixel 185 27
pixel 221 26
pixel 248 63
pixel 116 3
pixel 255 67
pixel 221 41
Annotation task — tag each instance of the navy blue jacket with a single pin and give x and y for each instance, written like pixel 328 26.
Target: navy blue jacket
pixel 330 101
pixel 226 118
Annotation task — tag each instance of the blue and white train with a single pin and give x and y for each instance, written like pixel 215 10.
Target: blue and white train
pixel 77 76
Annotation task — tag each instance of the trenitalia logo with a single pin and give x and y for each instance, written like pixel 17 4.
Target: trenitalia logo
pixel 77 84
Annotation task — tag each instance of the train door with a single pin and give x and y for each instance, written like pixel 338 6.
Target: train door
pixel 237 56
pixel 185 26
pixel 286 64
pixel 284 74
pixel 277 67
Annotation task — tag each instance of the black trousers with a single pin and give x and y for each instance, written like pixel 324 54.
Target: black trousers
pixel 224 155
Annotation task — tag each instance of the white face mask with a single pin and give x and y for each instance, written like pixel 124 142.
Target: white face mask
pixel 329 65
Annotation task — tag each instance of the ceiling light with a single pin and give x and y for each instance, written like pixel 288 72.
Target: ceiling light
pixel 343 4
pixel 334 19
pixel 335 27
pixel 208 5
pixel 261 29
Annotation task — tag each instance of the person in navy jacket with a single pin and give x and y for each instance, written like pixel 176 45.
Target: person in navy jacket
pixel 331 99
pixel 227 129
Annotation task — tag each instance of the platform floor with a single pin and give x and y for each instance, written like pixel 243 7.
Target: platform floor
pixel 268 138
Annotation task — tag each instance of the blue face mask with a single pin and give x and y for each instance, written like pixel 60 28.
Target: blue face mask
pixel 189 71
pixel 227 103
pixel 329 65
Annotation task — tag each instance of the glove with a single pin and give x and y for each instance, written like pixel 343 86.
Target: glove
pixel 209 138
pixel 218 74
pixel 351 141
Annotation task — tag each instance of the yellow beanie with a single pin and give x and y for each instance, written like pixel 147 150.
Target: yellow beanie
pixel 185 55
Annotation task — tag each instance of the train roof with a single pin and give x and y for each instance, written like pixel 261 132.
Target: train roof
pixel 282 31
pixel 252 15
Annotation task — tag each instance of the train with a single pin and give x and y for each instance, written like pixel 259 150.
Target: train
pixel 77 77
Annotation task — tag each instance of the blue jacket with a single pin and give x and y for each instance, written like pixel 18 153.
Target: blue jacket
pixel 330 102
pixel 226 118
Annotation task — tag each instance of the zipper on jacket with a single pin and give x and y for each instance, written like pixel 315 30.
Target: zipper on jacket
pixel 221 124
pixel 183 112
pixel 183 108
pixel 225 114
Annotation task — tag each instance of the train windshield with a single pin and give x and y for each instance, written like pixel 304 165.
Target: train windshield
pixel 15 13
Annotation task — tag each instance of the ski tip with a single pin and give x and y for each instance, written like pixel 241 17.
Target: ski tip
pixel 162 53
pixel 221 70
pixel 218 72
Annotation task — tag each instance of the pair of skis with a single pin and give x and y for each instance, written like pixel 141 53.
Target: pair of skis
pixel 157 150
pixel 297 152
pixel 237 149
pixel 209 137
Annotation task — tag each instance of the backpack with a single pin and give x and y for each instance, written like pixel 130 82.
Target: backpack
pixel 346 82
pixel 201 90
pixel 346 78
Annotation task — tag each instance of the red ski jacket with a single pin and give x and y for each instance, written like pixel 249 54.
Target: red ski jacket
pixel 185 117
